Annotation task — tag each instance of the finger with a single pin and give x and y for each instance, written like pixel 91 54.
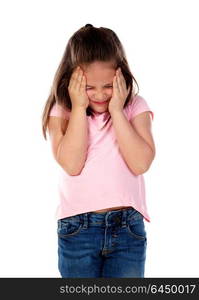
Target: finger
pixel 122 79
pixel 115 86
pixel 120 88
pixel 123 83
pixel 74 77
pixel 83 83
pixel 82 86
pixel 78 79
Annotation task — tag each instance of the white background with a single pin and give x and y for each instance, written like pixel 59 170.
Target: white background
pixel 161 43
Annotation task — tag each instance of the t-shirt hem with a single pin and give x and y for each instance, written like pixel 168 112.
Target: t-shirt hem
pixel 65 214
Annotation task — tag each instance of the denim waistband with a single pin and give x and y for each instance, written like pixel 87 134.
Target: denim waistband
pixel 120 217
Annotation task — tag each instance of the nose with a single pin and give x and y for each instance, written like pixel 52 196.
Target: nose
pixel 100 96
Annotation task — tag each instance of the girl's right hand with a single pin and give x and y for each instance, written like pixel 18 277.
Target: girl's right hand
pixel 77 89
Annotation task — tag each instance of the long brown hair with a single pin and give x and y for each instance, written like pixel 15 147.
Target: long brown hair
pixel 87 45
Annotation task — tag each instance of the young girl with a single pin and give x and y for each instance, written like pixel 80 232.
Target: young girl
pixel 100 133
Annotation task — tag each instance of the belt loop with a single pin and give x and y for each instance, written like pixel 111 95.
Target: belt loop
pixel 124 218
pixel 85 220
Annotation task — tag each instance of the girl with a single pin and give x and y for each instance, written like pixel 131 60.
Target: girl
pixel 100 133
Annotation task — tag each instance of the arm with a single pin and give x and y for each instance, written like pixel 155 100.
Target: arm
pixel 135 142
pixel 72 149
pixel 69 139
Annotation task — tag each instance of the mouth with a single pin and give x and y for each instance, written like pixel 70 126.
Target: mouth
pixel 100 103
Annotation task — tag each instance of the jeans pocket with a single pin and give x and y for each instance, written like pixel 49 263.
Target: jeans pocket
pixel 136 227
pixel 68 226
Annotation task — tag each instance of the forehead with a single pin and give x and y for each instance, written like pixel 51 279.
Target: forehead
pixel 99 72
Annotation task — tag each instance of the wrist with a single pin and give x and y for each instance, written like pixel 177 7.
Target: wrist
pixel 116 111
pixel 78 108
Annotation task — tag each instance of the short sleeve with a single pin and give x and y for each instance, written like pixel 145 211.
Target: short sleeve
pixel 138 105
pixel 58 111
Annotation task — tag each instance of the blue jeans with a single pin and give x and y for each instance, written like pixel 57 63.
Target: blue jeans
pixel 109 244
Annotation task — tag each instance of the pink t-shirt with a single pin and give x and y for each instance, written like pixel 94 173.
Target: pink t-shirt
pixel 105 181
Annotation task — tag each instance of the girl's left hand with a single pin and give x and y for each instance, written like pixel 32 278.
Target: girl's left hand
pixel 120 92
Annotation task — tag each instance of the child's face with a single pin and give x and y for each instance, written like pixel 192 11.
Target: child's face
pixel 99 84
